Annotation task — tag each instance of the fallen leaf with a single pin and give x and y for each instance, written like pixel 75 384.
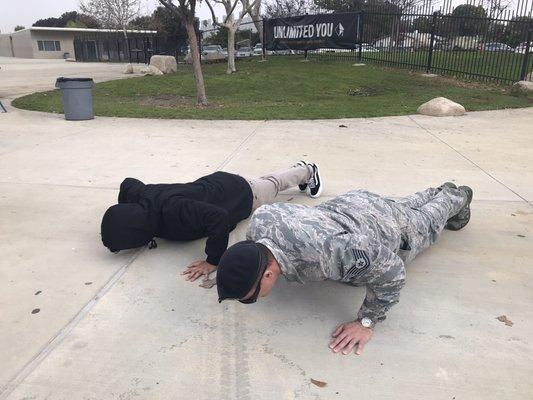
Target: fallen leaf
pixel 208 283
pixel 290 199
pixel 505 320
pixel 342 126
pixel 35 310
pixel 521 235
pixel 318 383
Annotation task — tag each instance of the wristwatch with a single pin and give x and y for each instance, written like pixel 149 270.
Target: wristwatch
pixel 367 322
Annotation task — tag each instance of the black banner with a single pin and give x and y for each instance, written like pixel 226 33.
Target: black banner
pixel 309 32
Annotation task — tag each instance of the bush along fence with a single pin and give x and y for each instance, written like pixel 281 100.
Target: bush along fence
pixel 468 41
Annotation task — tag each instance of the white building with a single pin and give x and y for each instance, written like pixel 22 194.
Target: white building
pixel 47 42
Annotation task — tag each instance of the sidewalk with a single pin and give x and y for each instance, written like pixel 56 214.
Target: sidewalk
pixel 19 76
pixel 128 326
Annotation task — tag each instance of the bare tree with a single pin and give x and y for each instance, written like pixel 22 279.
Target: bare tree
pixel 254 11
pixel 185 11
pixel 288 8
pixel 231 23
pixel 495 8
pixel 113 14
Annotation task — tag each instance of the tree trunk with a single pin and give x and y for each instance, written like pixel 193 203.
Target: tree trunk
pixel 201 97
pixel 127 42
pixel 255 15
pixel 231 50
pixel 259 26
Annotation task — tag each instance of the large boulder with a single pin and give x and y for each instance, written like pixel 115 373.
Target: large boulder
pixel 523 87
pixel 151 70
pixel 441 107
pixel 165 64
pixel 128 69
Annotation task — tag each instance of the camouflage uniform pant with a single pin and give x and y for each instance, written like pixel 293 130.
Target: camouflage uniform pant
pixel 423 216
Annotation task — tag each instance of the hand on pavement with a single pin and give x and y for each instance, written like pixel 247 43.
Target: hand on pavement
pixel 347 335
pixel 198 269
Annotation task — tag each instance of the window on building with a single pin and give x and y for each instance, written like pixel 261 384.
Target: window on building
pixel 49 45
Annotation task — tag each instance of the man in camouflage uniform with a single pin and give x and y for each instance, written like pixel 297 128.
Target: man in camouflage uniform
pixel 358 238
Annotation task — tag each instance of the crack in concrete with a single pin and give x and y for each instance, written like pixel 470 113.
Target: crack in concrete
pixel 469 160
pixel 239 147
pixel 58 338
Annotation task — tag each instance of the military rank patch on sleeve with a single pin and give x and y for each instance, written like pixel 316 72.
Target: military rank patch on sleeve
pixel 362 262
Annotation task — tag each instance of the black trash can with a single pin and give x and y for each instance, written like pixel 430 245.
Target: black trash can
pixel 77 97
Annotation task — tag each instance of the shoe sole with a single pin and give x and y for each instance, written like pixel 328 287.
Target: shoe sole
pixel 321 185
pixel 454 224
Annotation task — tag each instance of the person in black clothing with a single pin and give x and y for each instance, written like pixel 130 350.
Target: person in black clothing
pixel 208 207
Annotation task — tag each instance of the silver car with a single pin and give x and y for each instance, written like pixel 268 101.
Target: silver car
pixel 244 52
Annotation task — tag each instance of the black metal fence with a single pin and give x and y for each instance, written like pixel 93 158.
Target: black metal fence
pixel 466 41
pixel 113 46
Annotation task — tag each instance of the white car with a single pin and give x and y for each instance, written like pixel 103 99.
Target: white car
pixel 521 48
pixel 336 50
pixel 244 52
pixel 213 49
pixel 258 50
pixel 368 48
pixel 365 48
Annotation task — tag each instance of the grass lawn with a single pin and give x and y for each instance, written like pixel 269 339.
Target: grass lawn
pixel 503 66
pixel 282 88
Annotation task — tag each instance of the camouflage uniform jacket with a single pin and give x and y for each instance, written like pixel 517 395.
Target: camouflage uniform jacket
pixel 354 238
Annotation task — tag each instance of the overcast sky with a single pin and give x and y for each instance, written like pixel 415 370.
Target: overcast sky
pixel 26 12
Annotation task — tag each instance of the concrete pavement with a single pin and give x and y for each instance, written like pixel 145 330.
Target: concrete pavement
pixel 19 76
pixel 128 326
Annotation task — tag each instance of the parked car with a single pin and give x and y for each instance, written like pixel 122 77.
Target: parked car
pixel 336 50
pixel 258 50
pixel 368 48
pixel 244 52
pixel 521 48
pixel 496 47
pixel 213 49
pixel 284 52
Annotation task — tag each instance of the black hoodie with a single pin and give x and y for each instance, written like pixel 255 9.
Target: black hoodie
pixel 210 206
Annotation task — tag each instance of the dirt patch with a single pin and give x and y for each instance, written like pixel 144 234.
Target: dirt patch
pixel 363 91
pixel 166 101
pixel 170 101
